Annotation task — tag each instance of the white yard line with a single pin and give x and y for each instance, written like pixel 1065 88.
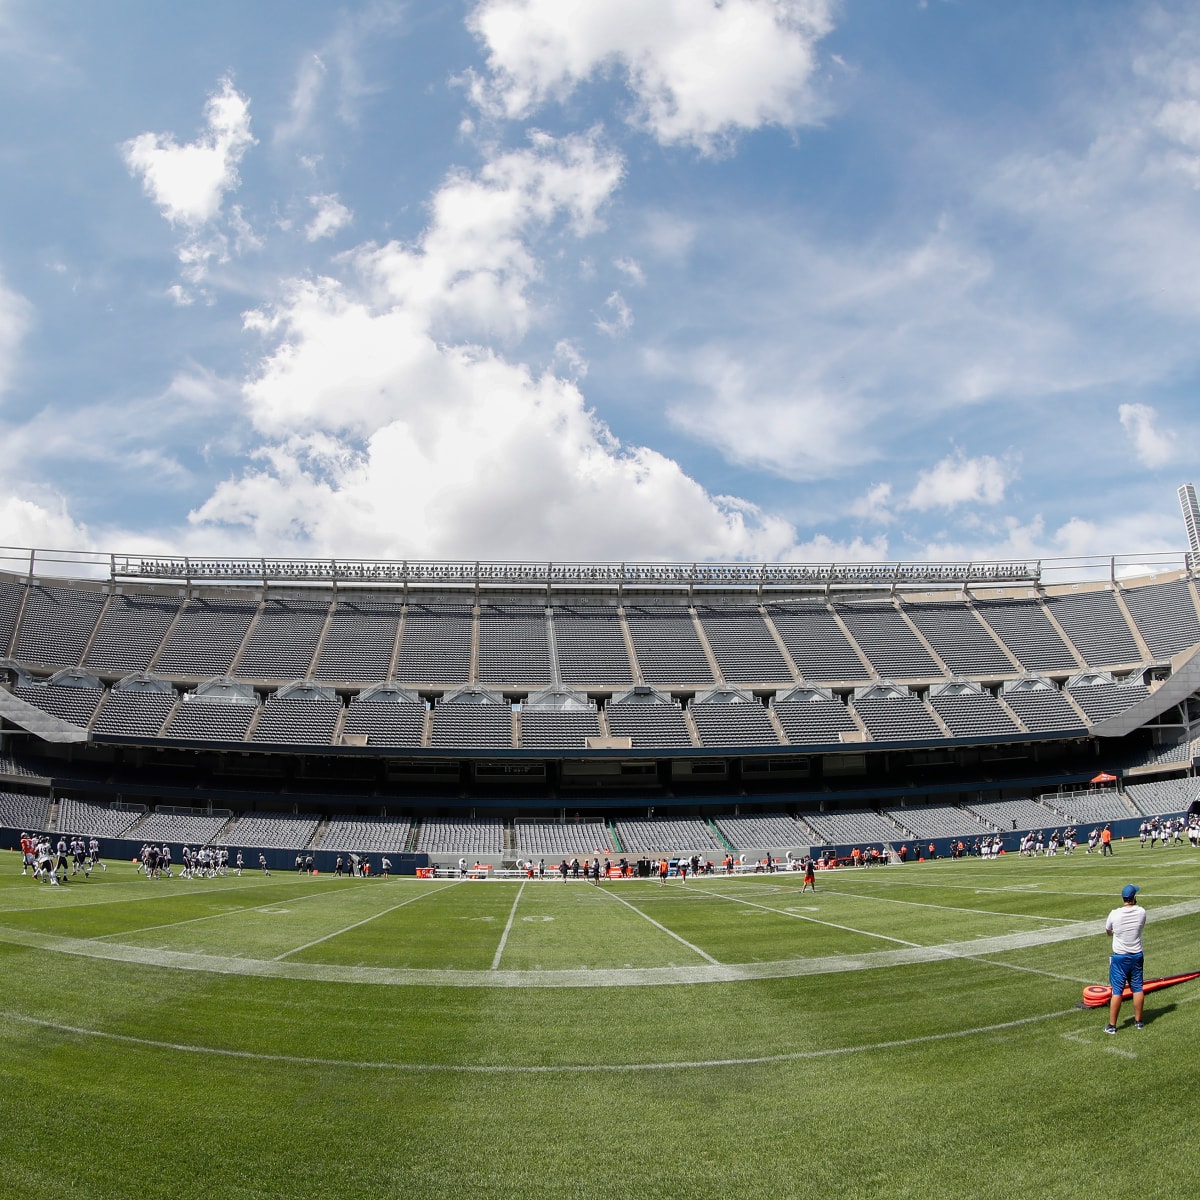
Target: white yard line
pixel 682 941
pixel 364 921
pixel 504 935
pixel 780 912
pixel 980 912
pixel 229 912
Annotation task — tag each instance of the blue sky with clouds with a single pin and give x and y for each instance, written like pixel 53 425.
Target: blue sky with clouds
pixel 619 279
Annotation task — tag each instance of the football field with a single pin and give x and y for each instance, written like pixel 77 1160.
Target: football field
pixel 908 1031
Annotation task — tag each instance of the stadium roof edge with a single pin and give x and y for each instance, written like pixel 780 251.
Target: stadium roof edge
pixel 482 576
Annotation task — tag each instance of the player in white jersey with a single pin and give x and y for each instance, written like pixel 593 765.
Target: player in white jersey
pixel 94 854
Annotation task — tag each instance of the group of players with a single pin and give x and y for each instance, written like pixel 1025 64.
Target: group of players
pixel 1170 831
pixel 44 859
pixel 55 863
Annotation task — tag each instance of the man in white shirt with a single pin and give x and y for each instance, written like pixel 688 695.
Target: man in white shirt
pixel 1124 926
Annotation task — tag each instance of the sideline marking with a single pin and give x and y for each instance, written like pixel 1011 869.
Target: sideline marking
pixel 507 928
pixel 364 921
pixel 594 1068
pixel 670 933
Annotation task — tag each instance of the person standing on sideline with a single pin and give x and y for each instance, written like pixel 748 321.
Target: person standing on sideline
pixel 1106 842
pixel 1124 926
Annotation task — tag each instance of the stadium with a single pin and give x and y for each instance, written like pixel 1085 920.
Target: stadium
pixel 477 1020
pixel 502 712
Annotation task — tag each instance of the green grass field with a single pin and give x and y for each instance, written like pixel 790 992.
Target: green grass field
pixel 907 1032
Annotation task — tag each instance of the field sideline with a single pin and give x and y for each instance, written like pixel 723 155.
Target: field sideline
pixel 908 1031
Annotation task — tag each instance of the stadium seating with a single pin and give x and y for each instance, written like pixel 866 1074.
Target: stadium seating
pixel 1161 797
pixel 763 833
pixel 264 831
pixel 366 834
pixel 667 837
pixel 555 840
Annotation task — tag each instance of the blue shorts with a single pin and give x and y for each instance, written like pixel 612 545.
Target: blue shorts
pixel 1125 969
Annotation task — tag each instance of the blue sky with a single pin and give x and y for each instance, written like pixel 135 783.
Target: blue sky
pixel 618 279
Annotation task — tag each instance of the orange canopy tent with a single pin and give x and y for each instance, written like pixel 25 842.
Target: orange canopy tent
pixel 1104 777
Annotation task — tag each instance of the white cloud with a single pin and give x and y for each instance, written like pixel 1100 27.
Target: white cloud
pixel 34 520
pixel 960 480
pixel 631 270
pixel 310 82
pixel 15 318
pixel 188 182
pixel 760 415
pixel 699 70
pixel 472 269
pixel 329 216
pixel 1153 448
pixel 621 320
pixel 875 504
pixel 382 435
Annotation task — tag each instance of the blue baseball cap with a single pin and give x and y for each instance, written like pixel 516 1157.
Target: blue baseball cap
pixel 1129 891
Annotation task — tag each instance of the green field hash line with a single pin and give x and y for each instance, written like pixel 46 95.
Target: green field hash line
pixel 504 936
pixel 670 933
pixel 574 1068
pixel 364 921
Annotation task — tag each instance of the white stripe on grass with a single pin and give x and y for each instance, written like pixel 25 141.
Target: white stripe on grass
pixel 669 932
pixel 975 912
pixel 364 921
pixel 507 928
pixel 713 972
pixel 517 1069
pixel 229 912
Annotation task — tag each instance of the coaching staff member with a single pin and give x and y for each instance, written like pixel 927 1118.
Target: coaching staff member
pixel 1124 926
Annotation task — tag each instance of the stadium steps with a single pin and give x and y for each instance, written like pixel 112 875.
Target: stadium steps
pixel 552 648
pixel 166 637
pixel 712 825
pixel 427 728
pixel 780 645
pixel 1012 716
pixel 319 836
pixel 634 666
pixel 1062 633
pixel 414 834
pixel 867 664
pixel 693 732
pixel 937 717
pixel 773 717
pixel 259 709
pixel 1147 654
pixel 473 673
pixel 912 625
pixel 1017 666
pixel 241 651
pixel 335 738
pixel 320 646
pixel 397 643
pixel 702 637
pixel 516 727
pixel 613 840
pixel 96 630
pixel 52 815
pixel 16 631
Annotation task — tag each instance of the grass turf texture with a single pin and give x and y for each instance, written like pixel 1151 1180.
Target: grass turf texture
pixel 960 1076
